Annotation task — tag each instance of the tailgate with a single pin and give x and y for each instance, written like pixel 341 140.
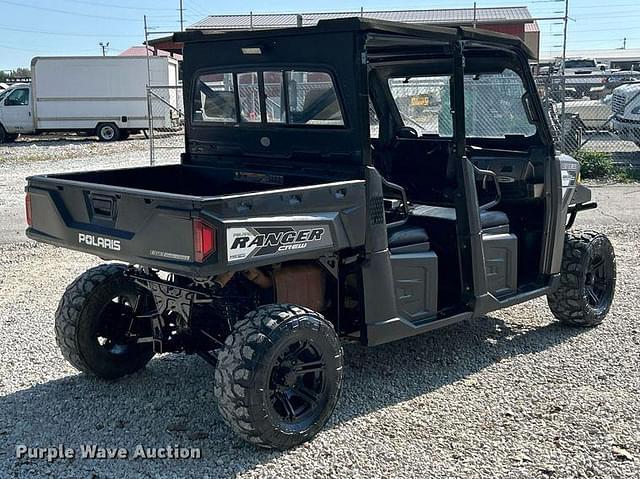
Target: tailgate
pixel 136 226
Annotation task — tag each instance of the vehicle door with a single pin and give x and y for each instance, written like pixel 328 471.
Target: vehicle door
pixel 16 111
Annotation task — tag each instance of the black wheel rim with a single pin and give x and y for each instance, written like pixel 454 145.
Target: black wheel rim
pixel 116 321
pixel 599 282
pixel 298 389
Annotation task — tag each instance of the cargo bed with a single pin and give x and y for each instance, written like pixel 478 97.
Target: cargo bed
pixel 153 216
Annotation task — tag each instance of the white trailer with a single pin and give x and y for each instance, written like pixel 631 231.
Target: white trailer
pixel 106 96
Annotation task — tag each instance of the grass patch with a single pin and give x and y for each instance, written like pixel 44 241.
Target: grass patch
pixel 597 165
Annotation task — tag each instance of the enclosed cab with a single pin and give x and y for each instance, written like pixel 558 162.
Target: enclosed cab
pixel 356 181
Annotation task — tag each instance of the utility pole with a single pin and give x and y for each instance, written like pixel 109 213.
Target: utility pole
pixel 181 17
pixel 149 105
pixel 564 79
pixel 105 47
pixel 475 14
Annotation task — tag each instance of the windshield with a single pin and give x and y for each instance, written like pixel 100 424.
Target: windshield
pixel 580 64
pixel 4 93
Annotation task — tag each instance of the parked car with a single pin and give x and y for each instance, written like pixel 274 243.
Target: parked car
pixel 612 81
pixel 106 96
pixel 581 66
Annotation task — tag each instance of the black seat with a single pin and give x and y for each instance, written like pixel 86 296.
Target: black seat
pixel 488 219
pixel 406 235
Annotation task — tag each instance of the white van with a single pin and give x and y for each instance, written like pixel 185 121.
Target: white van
pixel 105 96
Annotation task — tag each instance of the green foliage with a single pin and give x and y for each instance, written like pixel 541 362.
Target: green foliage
pixel 597 165
pixel 629 175
pixel 17 73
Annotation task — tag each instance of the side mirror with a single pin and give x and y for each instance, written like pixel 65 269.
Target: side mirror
pixel 11 102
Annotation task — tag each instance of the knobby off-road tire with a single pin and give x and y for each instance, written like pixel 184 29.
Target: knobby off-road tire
pixel 279 375
pixel 587 280
pixel 94 314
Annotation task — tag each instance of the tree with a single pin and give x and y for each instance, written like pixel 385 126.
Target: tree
pixel 21 73
pixel 17 73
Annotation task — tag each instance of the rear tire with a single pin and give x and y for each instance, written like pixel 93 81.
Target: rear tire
pixel 587 280
pixel 91 327
pixel 279 375
pixel 108 132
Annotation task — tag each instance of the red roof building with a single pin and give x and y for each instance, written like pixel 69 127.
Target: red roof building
pixel 512 20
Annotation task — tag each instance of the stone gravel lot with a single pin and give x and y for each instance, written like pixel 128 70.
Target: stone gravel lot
pixel 512 395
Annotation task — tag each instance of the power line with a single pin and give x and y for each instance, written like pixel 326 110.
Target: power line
pixel 64 34
pixel 42 50
pixel 124 7
pixel 67 12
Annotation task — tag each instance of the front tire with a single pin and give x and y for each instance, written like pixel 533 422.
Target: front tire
pixel 279 375
pixel 93 321
pixel 7 137
pixel 587 280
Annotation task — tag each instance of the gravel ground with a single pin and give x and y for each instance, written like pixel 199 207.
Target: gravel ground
pixel 512 395
pixel 45 155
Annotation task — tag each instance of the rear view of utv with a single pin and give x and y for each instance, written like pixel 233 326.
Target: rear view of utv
pixel 356 181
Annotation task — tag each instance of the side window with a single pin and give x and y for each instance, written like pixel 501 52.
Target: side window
pixel 313 99
pixel 214 100
pixel 249 95
pixel 19 97
pixel 423 103
pixel 494 105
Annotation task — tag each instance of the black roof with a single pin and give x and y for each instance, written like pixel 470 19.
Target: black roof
pixel 382 28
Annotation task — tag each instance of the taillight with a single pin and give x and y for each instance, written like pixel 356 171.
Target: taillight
pixel 204 239
pixel 27 206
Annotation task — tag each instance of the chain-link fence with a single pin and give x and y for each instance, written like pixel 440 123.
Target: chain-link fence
pixel 601 113
pixel 166 124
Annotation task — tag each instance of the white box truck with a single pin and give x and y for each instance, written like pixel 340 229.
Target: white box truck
pixel 105 96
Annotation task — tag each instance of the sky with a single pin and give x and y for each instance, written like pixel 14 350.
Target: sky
pixel 30 28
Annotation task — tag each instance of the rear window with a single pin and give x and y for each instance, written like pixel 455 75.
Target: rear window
pixel 313 99
pixel 580 64
pixel 287 97
pixel 215 98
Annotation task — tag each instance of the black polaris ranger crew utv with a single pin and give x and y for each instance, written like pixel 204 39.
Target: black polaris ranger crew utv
pixel 353 181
